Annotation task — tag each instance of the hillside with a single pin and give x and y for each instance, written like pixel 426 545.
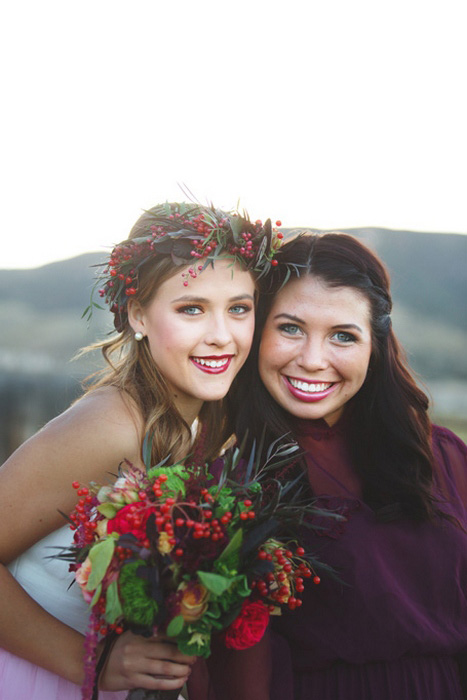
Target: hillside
pixel 40 314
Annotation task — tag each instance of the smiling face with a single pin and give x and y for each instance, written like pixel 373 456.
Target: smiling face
pixel 315 348
pixel 199 335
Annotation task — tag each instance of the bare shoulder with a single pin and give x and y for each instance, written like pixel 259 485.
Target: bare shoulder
pixel 85 443
pixel 104 425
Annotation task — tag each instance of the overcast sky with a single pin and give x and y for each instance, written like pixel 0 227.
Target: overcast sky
pixel 330 114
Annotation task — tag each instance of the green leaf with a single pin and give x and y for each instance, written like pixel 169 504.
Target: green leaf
pixel 113 608
pixel 96 596
pixel 108 510
pixel 176 476
pixel 215 583
pixel 175 626
pixel 233 548
pixel 147 450
pixel 101 556
pixel 236 225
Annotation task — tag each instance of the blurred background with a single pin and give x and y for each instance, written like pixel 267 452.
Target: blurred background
pixel 333 115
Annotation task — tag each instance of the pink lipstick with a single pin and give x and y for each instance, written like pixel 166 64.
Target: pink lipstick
pixel 309 391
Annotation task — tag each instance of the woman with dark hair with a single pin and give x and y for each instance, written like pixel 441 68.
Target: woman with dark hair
pixel 182 291
pixel 392 623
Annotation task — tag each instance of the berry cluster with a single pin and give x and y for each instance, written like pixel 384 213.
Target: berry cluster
pixel 186 234
pixel 282 585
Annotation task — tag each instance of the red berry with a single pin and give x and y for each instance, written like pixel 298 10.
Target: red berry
pixel 278 222
pixel 316 579
pixel 76 484
pixel 300 551
pixel 274 263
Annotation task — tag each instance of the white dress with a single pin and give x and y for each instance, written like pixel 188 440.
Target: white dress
pixel 47 581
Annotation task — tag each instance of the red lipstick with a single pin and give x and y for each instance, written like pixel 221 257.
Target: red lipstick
pixel 208 363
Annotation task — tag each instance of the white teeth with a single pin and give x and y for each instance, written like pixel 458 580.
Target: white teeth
pixel 311 388
pixel 211 363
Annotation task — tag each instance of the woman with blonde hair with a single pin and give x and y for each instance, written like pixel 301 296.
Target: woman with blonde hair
pixel 182 291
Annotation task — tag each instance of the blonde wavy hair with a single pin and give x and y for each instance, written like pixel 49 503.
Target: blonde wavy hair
pixel 130 367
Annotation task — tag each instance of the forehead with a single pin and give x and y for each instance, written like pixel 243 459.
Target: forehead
pixel 224 275
pixel 310 296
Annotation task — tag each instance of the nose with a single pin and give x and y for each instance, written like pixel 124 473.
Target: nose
pixel 218 332
pixel 312 357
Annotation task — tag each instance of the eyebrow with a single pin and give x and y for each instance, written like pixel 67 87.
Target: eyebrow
pixel 344 326
pixel 204 300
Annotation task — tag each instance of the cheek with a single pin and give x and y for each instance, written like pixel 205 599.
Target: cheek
pixel 358 368
pixel 244 335
pixel 166 338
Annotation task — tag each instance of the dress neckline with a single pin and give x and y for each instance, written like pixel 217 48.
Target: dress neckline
pixel 319 429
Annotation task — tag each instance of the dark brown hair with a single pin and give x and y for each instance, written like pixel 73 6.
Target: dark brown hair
pixel 390 427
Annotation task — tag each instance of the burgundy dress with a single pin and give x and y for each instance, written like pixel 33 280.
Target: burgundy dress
pixel 394 627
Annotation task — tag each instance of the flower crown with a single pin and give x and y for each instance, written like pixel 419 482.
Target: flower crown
pixel 187 233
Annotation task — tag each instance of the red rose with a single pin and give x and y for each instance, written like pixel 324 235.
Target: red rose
pixel 124 521
pixel 248 628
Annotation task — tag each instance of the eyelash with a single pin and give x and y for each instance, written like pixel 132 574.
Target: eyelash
pixel 244 307
pixel 285 327
pixel 349 337
pixel 186 310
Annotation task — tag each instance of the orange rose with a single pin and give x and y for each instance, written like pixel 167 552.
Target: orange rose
pixel 193 601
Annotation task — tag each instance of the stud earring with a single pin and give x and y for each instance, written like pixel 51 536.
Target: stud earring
pixel 139 336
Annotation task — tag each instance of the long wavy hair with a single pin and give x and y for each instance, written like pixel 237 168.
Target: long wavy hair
pixel 389 424
pixel 130 367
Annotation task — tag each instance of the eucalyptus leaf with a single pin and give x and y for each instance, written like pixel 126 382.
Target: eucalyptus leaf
pixel 108 510
pixel 101 556
pixel 96 596
pixel 113 608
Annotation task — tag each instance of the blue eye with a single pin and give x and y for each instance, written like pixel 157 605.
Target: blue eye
pixel 190 310
pixel 239 309
pixel 290 328
pixel 344 337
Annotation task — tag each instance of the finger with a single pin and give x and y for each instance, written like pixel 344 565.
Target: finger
pixel 159 683
pixel 168 669
pixel 169 651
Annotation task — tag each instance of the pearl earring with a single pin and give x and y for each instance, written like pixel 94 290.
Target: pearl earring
pixel 139 336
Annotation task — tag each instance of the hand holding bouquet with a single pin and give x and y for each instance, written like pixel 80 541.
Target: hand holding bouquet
pixel 174 551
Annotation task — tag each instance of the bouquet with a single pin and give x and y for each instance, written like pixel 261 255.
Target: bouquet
pixel 175 551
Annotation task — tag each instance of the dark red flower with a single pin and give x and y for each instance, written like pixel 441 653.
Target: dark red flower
pixel 249 627
pixel 129 521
